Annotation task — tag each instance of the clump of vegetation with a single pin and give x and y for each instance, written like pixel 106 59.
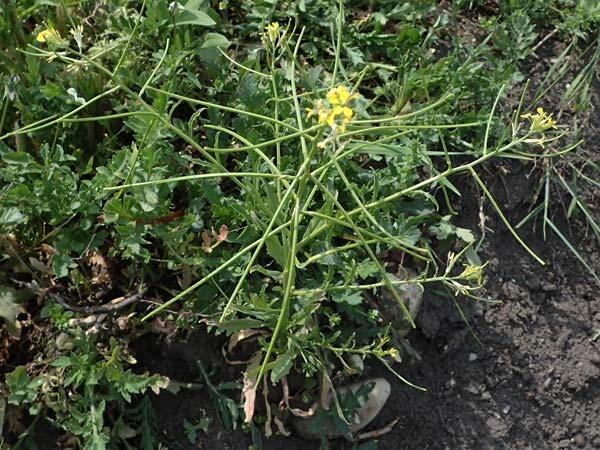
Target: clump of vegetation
pixel 286 183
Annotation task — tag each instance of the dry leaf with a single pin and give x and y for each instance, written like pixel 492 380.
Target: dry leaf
pixel 236 338
pixel 249 389
pixel 96 259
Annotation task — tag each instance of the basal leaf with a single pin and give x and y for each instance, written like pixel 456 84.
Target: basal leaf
pixel 215 40
pixel 193 17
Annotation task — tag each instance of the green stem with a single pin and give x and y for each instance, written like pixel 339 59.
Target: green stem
pixel 216 271
pixel 502 217
pixel 135 27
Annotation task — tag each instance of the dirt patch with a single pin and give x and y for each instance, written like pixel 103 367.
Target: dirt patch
pixel 533 382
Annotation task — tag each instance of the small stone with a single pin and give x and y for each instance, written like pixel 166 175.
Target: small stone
pixel 473 357
pixel 579 440
pixel 452 382
pixel 356 362
pixel 374 403
pixel 506 410
pixel 577 424
pixel 472 389
pixel 486 396
pixel 596 442
pixel 548 382
pixel 491 381
pixel 565 443
pixel 548 287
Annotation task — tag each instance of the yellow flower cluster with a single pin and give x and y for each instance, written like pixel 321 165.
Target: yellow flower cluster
pixel 271 34
pixel 539 122
pixel 49 35
pixel 337 112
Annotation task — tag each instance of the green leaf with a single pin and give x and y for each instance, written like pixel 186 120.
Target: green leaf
pixel 472 256
pixel 63 361
pixel 465 234
pixel 22 389
pixel 215 40
pixel 193 17
pixel 450 186
pixel 17 158
pixel 10 216
pixel 281 366
pixel 366 269
pixel 62 263
pixel 232 326
pixel 349 297
pixel 276 250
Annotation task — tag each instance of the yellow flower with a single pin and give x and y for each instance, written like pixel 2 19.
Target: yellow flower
pixel 271 33
pixel 539 122
pixel 340 96
pixel 319 110
pixel 49 35
pixel 344 111
pixel 337 113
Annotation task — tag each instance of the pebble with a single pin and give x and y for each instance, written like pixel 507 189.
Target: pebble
pixel 472 389
pixel 548 382
pixel 596 442
pixel 486 396
pixel 491 381
pixel 506 410
pixel 577 424
pixel 579 440
pixel 473 357
pixel 376 399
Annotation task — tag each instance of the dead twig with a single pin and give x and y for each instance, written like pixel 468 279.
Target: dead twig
pixel 113 305
pixel 379 432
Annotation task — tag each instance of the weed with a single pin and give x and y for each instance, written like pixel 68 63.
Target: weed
pixel 273 167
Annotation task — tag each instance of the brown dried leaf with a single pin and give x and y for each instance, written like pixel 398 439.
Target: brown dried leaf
pixel 236 338
pixel 285 402
pixel 96 259
pixel 164 326
pixel 223 232
pixel 249 389
pixel 38 265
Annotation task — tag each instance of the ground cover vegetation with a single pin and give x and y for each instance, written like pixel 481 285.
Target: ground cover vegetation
pixel 277 173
